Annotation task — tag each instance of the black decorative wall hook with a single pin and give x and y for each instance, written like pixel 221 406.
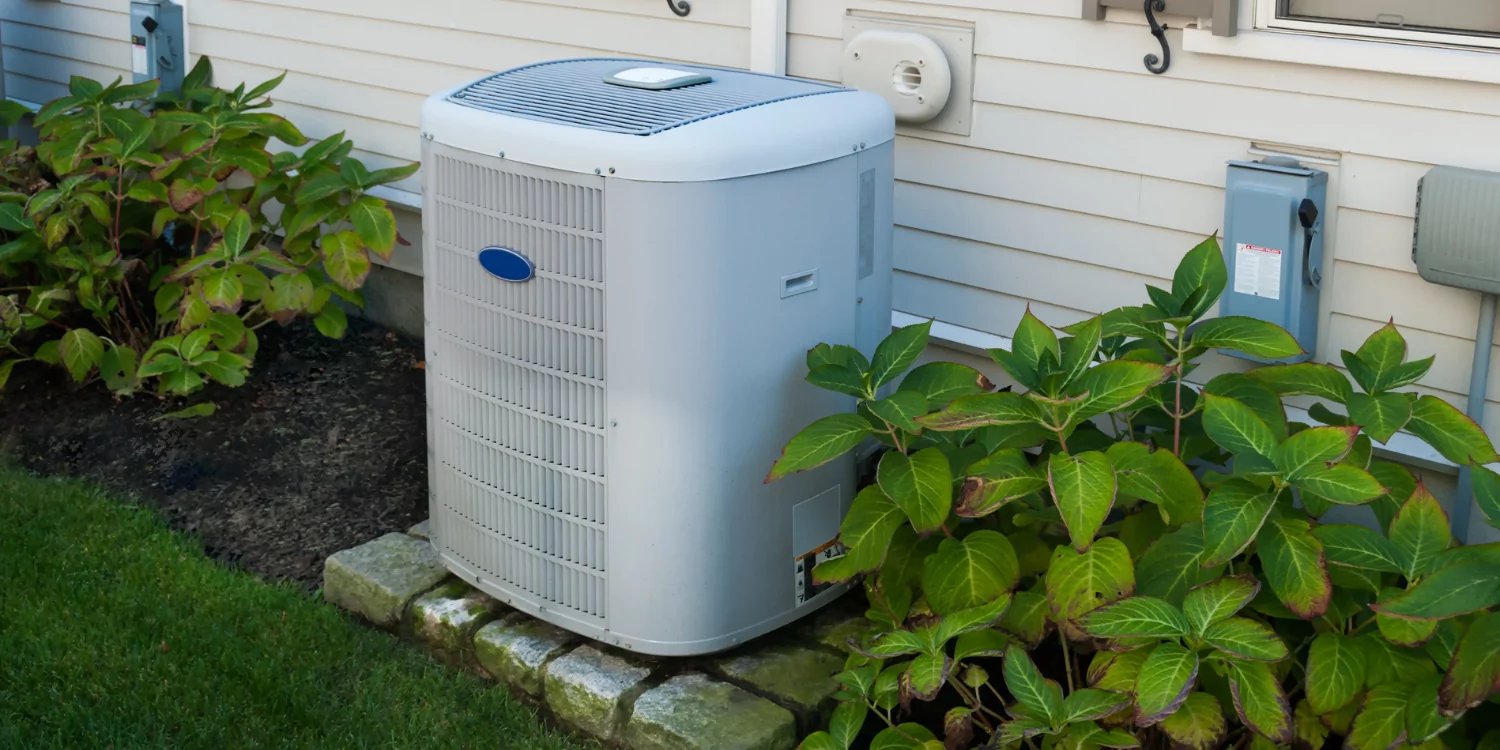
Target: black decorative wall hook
pixel 680 7
pixel 1157 65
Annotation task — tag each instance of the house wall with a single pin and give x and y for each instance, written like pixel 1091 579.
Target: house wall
pixel 1084 176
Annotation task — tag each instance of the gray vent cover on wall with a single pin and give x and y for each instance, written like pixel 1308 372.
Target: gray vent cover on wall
pixel 574 92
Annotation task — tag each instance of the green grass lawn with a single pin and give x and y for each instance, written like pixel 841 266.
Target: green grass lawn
pixel 117 632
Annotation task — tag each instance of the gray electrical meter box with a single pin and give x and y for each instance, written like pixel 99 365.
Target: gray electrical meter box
pixel 1273 246
pixel 1457 240
pixel 157 44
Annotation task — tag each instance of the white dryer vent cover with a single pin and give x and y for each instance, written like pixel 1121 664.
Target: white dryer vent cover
pixel 907 69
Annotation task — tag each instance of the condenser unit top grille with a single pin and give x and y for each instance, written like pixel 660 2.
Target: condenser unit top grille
pixel 575 92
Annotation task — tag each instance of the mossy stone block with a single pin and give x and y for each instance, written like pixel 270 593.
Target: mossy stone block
pixel 799 676
pixel 516 651
pixel 834 627
pixel 422 530
pixel 445 617
pixel 693 712
pixel 378 578
pixel 591 689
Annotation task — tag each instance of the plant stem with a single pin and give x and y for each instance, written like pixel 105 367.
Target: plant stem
pixel 1067 658
pixel 1177 406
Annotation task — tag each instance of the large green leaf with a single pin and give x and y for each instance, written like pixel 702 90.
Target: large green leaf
pixel 900 409
pixel 1340 483
pixel 1335 672
pixel 922 484
pixel 1196 725
pixel 960 622
pixel 1159 477
pixel 867 530
pixel 1078 351
pixel 1305 379
pixel 997 479
pixel 1474 674
pixel 847 720
pixel 1313 448
pixel 942 382
pixel 1245 639
pixel 1084 488
pixel 375 225
pixel 223 290
pixel 1424 720
pixel 926 675
pixel 1236 428
pixel 1386 662
pixel 1035 344
pixel 1455 590
pixel 1232 517
pixel 1486 485
pixel 1164 682
pixel 1131 322
pixel 1254 337
pixel 984 410
pixel 80 351
pixel 1402 632
pixel 346 260
pixel 1381 416
pixel 1295 567
pixel 1171 566
pixel 1137 616
pixel 1260 701
pixel 1114 385
pixel 975 570
pixel 1026 619
pixel 1254 395
pixel 840 379
pixel 1218 600
pixel 1419 532
pixel 1454 435
pixel 897 352
pixel 907 736
pixel 1087 704
pixel 1078 583
pixel 1381 721
pixel 1041 698
pixel 1117 671
pixel 820 442
pixel 1200 278
pixel 1358 547
pixel 981 643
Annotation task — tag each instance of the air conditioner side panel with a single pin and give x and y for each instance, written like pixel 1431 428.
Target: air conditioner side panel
pixel 706 360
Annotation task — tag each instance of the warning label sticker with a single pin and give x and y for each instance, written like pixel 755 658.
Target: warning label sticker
pixel 1257 271
pixel 806 589
pixel 139 62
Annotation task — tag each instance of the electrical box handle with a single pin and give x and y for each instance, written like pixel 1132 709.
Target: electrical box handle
pixel 1307 214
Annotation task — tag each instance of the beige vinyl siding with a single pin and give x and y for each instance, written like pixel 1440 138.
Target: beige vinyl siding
pixel 1085 176
pixel 364 67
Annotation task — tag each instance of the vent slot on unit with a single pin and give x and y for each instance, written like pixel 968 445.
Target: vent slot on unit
pixel 517 378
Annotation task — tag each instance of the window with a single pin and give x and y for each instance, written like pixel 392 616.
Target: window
pixel 1447 22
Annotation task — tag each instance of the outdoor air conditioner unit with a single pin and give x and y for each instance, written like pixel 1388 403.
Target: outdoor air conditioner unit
pixel 625 265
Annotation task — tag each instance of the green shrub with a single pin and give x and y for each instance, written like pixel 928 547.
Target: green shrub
pixel 1214 608
pixel 146 238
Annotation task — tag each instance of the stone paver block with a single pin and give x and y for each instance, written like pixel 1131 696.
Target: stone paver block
pixel 693 712
pixel 591 689
pixel 801 676
pixel 422 530
pixel 378 578
pixel 516 652
pixel 834 627
pixel 446 616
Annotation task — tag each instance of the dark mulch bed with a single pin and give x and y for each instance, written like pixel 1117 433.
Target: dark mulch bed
pixel 324 448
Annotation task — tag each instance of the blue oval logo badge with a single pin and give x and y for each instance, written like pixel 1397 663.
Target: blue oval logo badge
pixel 507 264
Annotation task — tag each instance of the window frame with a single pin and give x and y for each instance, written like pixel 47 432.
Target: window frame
pixel 1267 20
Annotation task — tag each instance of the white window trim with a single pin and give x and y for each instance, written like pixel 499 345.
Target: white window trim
pixel 1351 47
pixel 1265 19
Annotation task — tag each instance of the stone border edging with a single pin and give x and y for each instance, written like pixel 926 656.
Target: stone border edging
pixel 761 696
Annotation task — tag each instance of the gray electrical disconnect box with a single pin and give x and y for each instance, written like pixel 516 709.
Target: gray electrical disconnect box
pixel 157 43
pixel 1457 241
pixel 1273 245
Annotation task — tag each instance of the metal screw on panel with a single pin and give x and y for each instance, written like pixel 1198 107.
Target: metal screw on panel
pixel 611 170
pixel 859 300
pixel 502 154
pixel 861 144
pixel 855 147
pixel 856 55
pixel 921 63
pixel 613 423
pixel 596 171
